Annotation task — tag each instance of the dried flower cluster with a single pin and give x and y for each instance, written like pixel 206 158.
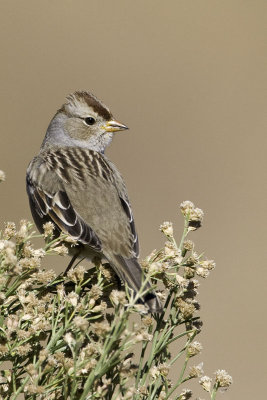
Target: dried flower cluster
pixel 72 337
pixel 2 176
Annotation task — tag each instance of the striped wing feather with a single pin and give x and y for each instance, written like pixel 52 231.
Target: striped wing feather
pixel 84 195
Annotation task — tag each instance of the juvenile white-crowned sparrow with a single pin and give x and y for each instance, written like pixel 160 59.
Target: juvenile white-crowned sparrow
pixel 74 185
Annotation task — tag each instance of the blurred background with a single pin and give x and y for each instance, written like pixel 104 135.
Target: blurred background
pixel 189 79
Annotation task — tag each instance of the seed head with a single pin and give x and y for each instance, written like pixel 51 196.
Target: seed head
pixel 10 257
pixel 188 245
pixel 182 282
pixel 44 276
pixel 194 349
pixel 194 215
pixel 61 250
pixel 208 264
pixel 186 207
pixel 189 272
pixel 167 228
pixel 61 292
pixel 205 382
pixel 147 321
pixel 72 298
pixel 143 335
pixel 23 350
pixel 149 258
pixel 10 230
pixel 155 268
pixel 43 355
pixel 101 328
pixel 118 297
pixel 186 310
pixel 99 307
pixel 89 350
pixel 12 323
pixel 163 369
pixel 95 292
pixel 25 264
pixel 196 371
pixel 2 176
pixel 48 229
pixel 76 274
pixel 185 394
pixel 223 379
pixel 202 272
pixel 81 323
pixel 154 372
pixel 3 350
pixel 170 250
pixel 22 233
pixel 31 370
pixel 71 240
pixel 69 339
pixel 107 272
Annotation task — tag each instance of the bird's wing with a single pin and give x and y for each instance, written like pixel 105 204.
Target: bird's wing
pixel 84 195
pixel 50 202
pixel 122 192
pixel 81 193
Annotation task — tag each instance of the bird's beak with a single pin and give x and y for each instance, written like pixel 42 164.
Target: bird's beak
pixel 114 126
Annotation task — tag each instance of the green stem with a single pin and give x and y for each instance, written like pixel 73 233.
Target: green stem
pixel 214 391
pixel 179 336
pixel 179 380
pixel 185 232
pixel 156 386
pixel 144 347
pixel 16 283
pixel 74 379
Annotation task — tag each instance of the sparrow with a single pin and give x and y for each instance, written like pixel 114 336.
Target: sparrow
pixel 72 184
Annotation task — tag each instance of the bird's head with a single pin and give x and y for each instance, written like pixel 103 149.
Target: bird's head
pixel 84 121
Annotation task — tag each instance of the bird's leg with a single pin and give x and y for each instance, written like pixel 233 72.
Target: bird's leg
pixel 118 281
pixel 60 276
pixel 116 276
pixel 72 261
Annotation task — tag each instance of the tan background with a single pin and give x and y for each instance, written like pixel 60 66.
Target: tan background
pixel 189 79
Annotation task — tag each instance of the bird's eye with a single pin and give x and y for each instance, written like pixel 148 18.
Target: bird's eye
pixel 89 121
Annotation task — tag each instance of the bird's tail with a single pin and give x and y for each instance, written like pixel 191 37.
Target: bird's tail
pixel 130 271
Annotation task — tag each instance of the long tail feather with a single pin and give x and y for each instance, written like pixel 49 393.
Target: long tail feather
pixel 129 270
